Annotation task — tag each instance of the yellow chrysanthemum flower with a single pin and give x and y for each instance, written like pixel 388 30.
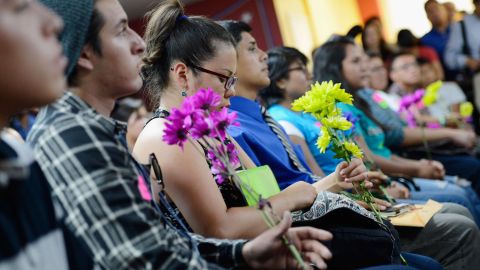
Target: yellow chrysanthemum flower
pixel 323 141
pixel 321 99
pixel 431 93
pixel 466 109
pixel 429 99
pixel 299 104
pixel 341 96
pixel 434 87
pixel 337 122
pixel 353 149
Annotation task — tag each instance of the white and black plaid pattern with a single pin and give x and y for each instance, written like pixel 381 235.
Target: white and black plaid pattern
pixel 94 180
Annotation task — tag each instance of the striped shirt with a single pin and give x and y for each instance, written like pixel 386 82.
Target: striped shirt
pixel 30 236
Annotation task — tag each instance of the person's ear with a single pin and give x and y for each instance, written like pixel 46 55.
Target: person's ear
pixel 180 71
pixel 85 60
pixel 282 83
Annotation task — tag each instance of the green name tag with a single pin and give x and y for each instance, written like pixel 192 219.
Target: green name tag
pixel 261 180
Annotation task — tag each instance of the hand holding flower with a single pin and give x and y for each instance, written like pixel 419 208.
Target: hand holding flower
pixel 269 252
pixel 377 203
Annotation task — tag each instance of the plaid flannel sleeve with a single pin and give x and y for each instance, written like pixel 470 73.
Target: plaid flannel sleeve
pixel 93 180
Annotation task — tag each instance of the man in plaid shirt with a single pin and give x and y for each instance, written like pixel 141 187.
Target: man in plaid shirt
pixel 83 154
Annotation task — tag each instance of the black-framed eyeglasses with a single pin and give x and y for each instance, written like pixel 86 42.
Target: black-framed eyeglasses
pixel 230 81
pixel 299 68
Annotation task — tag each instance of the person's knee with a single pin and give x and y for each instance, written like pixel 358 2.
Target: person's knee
pixel 454 228
pixel 453 208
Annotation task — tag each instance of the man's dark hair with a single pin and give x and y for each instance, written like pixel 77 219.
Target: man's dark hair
pixel 97 22
pixel 428 3
pixel 235 28
pixel 406 39
pixel 400 54
pixel 279 60
pixel 423 61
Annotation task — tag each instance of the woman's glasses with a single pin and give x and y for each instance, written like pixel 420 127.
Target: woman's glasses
pixel 229 80
pixel 299 68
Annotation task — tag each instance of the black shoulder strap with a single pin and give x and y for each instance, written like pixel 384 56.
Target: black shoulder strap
pixel 159 113
pixel 465 48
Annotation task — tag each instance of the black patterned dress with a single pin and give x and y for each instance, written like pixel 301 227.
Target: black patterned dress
pixel 232 196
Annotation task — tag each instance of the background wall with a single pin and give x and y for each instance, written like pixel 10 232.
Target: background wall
pixel 305 24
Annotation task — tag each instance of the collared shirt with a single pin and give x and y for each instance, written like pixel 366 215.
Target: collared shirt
pixel 84 158
pixel 454 56
pixel 437 40
pixel 262 145
pixel 309 128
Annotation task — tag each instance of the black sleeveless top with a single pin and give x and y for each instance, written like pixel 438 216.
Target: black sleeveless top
pixel 232 195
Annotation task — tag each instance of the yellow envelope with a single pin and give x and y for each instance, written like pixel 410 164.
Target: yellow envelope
pixel 417 217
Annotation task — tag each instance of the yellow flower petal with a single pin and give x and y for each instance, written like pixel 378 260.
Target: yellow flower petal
pixel 434 87
pixel 429 99
pixel 322 98
pixel 466 109
pixel 353 149
pixel 323 141
pixel 337 122
pixel 431 93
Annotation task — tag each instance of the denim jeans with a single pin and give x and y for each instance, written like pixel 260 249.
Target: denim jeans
pixel 414 261
pixel 445 191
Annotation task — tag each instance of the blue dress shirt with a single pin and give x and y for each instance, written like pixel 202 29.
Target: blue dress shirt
pixel 310 129
pixel 262 145
pixel 437 40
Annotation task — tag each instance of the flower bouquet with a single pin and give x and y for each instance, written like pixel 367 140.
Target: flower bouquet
pixel 321 101
pixel 419 100
pixel 199 119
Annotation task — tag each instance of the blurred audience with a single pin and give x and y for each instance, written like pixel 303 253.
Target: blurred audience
pixel 134 112
pixel 406 41
pixel 463 47
pixel 373 40
pixel 438 36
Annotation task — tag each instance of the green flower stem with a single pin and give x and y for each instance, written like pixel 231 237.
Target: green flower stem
pixel 425 143
pixel 271 223
pixel 385 193
pixel 271 219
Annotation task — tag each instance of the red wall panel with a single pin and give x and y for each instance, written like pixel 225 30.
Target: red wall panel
pixel 260 14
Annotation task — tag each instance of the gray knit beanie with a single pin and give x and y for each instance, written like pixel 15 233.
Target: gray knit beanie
pixel 76 15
